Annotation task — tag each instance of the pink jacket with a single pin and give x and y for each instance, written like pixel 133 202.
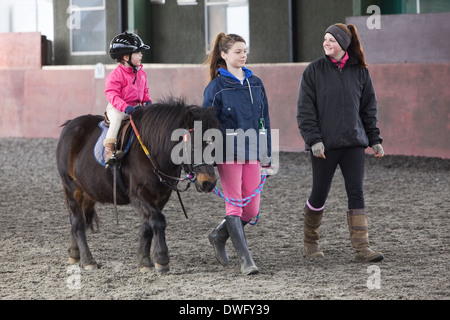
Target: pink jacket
pixel 120 90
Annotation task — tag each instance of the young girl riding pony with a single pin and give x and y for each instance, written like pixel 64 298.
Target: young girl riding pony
pixel 125 87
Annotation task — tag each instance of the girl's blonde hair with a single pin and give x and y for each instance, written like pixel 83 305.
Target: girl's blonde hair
pixel 355 44
pixel 223 42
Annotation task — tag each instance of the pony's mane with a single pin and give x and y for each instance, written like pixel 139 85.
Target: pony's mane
pixel 157 121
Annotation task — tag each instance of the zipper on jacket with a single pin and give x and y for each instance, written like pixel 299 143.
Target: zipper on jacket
pixel 250 90
pixel 342 103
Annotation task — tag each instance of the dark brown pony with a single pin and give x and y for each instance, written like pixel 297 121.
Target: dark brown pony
pixel 86 182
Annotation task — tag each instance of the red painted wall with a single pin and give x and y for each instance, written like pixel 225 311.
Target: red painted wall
pixel 414 100
pixel 414 108
pixel 20 50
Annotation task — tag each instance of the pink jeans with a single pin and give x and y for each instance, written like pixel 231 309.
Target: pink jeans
pixel 240 181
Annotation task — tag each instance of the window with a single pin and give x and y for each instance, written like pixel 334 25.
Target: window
pixel 403 6
pixel 87 24
pixel 228 16
pixel 187 2
pixel 428 6
pixel 27 16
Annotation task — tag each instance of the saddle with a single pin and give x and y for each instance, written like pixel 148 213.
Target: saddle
pixel 123 145
pixel 125 138
pixel 123 135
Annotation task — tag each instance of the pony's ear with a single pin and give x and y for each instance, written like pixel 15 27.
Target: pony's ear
pixel 189 119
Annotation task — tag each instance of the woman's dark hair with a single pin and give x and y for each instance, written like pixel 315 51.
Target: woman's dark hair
pixel 355 46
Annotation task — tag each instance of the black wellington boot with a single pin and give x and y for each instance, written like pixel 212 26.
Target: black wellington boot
pixel 218 237
pixel 236 233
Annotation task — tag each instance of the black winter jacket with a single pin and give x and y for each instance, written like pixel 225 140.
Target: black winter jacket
pixel 337 106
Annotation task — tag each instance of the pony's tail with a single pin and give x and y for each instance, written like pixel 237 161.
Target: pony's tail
pixel 91 218
pixel 88 208
pixel 355 46
pixel 214 59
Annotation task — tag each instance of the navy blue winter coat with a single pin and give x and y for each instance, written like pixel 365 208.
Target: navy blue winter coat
pixel 240 106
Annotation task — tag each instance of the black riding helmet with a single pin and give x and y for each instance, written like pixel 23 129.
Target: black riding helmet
pixel 126 43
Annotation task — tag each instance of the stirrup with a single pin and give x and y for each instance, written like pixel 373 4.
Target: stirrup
pixel 111 161
pixel 118 155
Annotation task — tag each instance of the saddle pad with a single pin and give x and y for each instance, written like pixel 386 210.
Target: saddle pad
pixel 99 148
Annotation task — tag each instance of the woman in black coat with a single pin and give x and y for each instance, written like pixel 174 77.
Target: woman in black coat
pixel 337 118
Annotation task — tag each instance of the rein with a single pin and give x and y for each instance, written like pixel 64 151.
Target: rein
pixel 191 176
pixel 244 202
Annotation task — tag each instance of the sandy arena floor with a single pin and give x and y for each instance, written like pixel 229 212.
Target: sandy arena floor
pixel 407 202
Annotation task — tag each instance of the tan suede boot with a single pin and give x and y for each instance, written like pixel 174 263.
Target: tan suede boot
pixel 311 224
pixel 359 237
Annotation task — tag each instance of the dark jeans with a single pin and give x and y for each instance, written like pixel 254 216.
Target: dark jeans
pixel 351 162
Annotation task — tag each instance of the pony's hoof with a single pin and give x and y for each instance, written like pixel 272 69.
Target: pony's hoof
pixel 91 267
pixel 162 268
pixel 250 270
pixel 315 255
pixel 73 260
pixel 145 269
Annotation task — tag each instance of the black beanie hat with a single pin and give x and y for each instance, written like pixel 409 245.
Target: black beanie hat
pixel 340 35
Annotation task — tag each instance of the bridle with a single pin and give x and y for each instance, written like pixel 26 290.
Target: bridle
pixel 171 181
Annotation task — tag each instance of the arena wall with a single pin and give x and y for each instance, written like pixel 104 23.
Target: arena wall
pixel 413 99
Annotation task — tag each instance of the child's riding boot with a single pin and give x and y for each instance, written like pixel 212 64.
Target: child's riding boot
pixel 110 147
pixel 236 232
pixel 218 237
pixel 311 225
pixel 359 237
